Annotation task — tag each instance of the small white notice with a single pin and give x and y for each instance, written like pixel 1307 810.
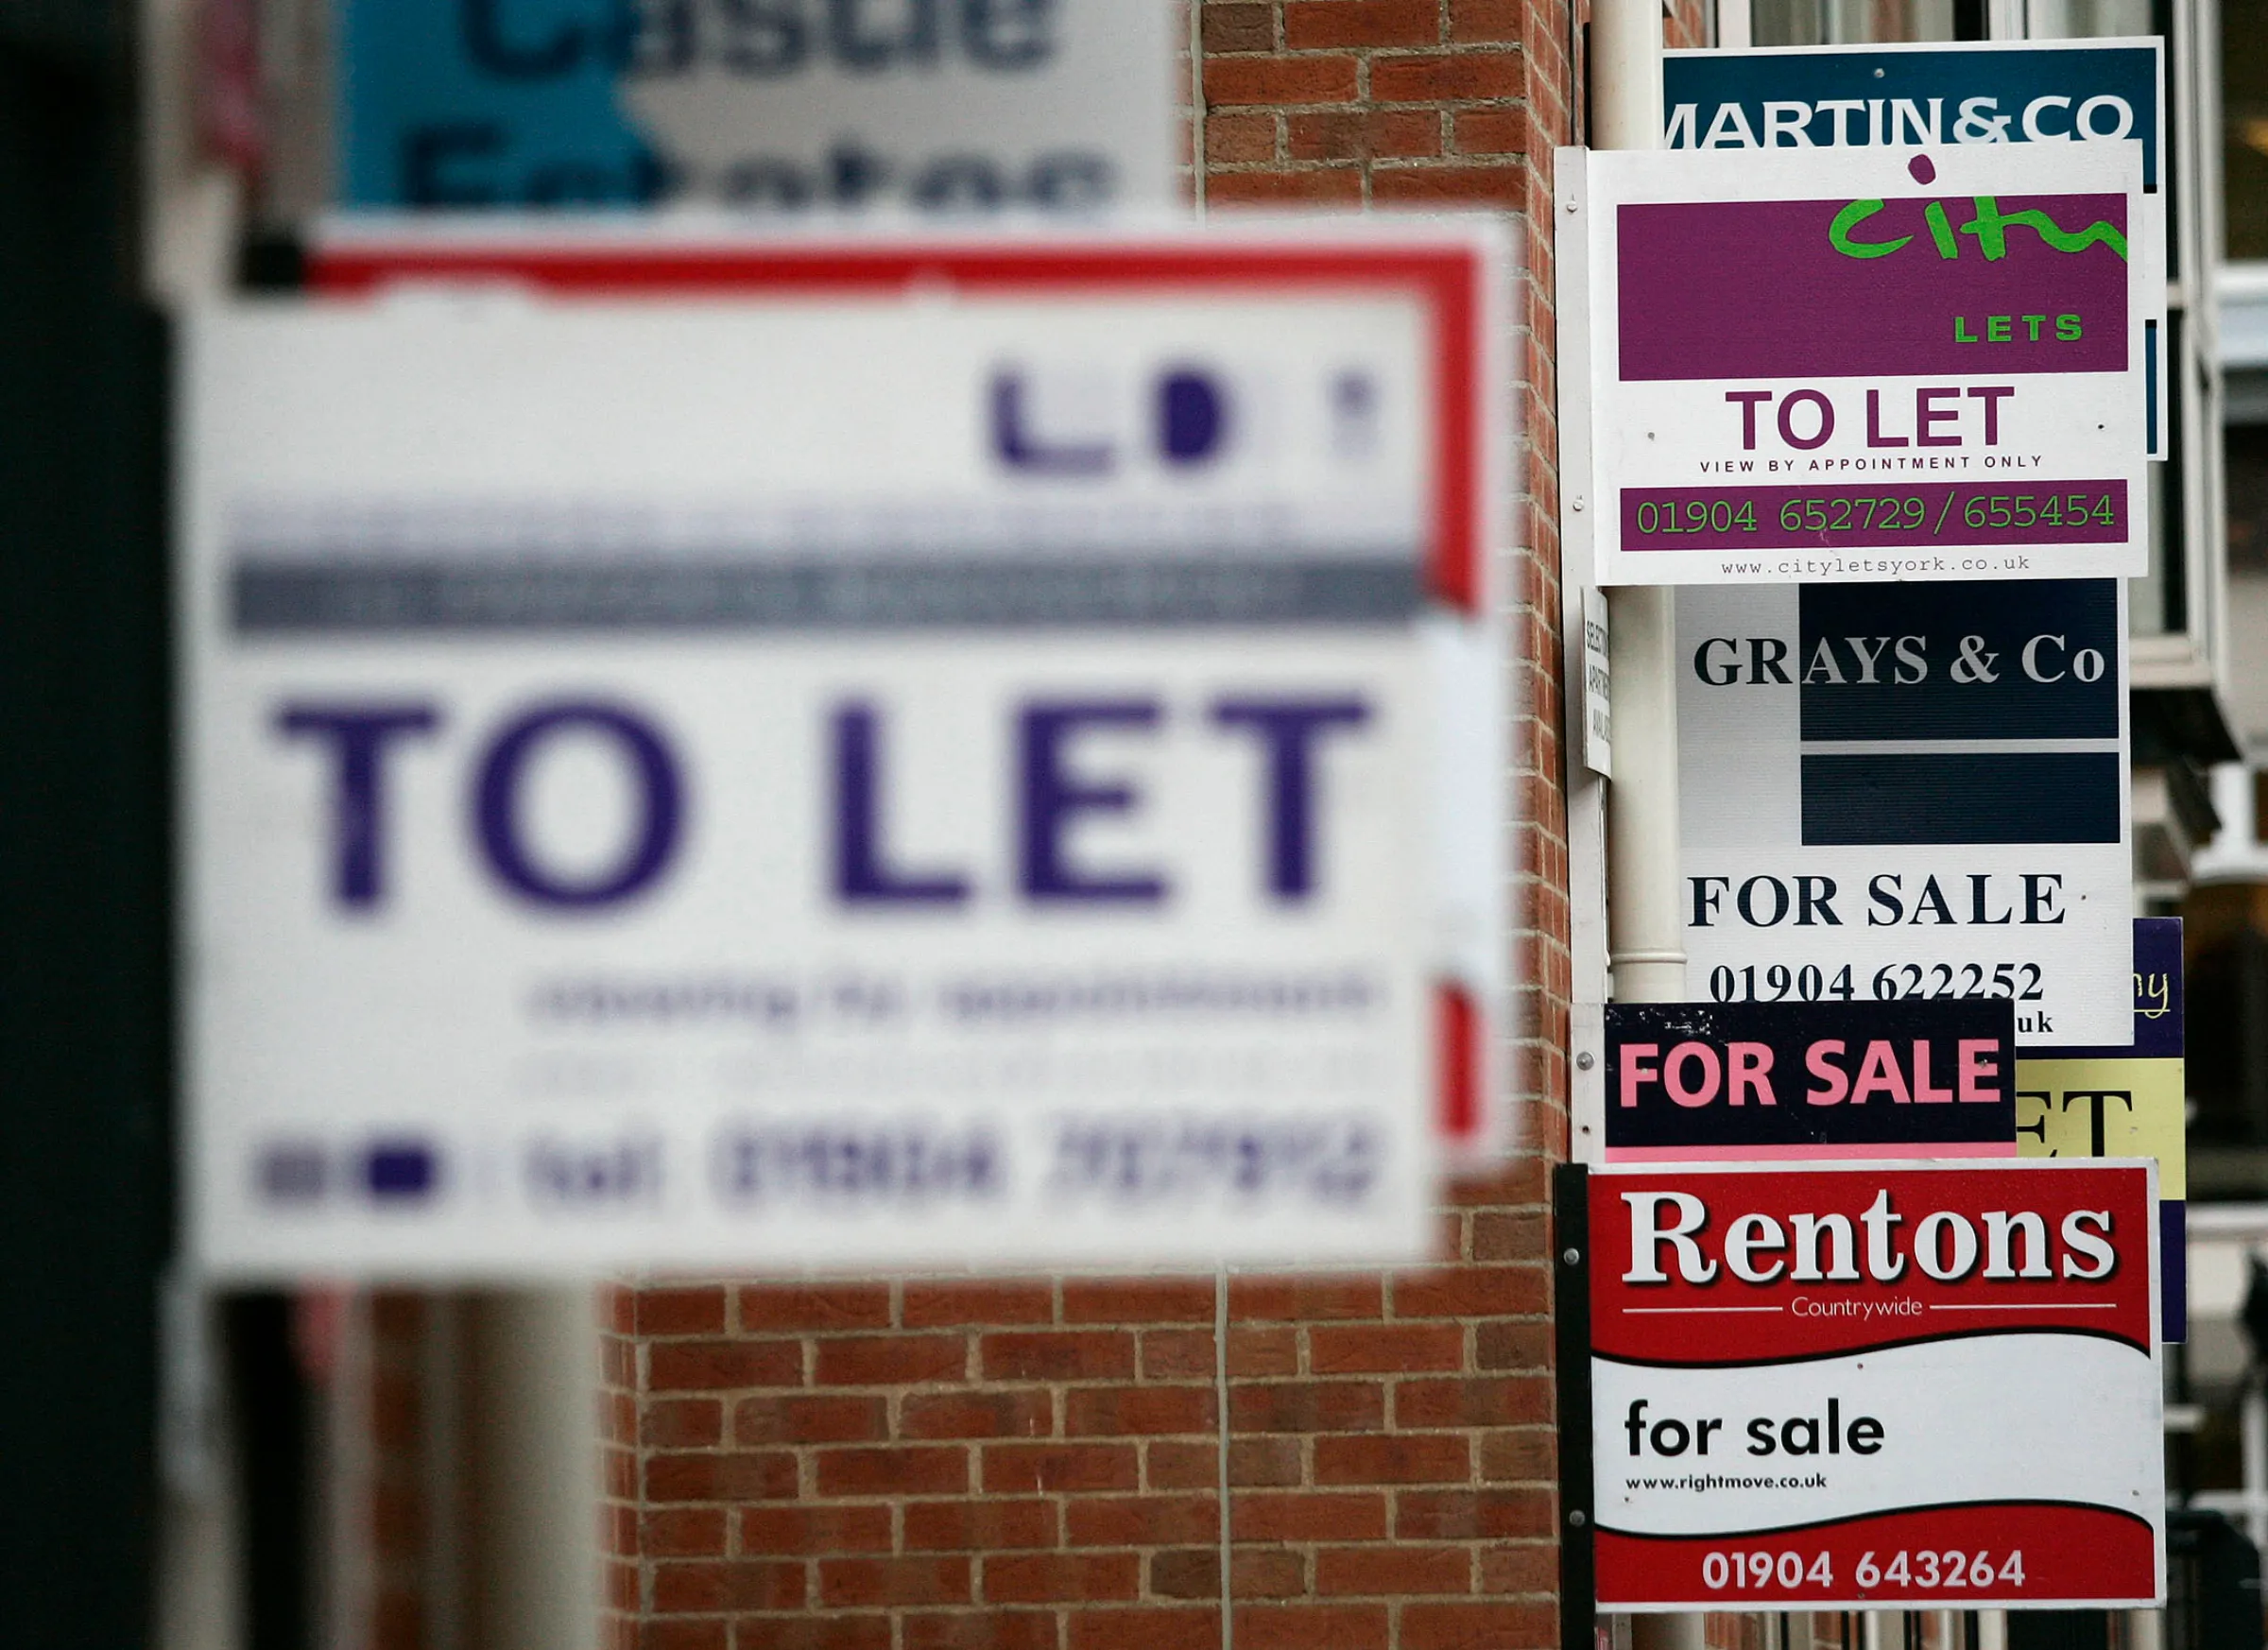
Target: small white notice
pixel 1598 693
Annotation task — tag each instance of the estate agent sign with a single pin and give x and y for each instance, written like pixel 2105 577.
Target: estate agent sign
pixel 1867 1386
pixel 996 775
pixel 1857 365
pixel 1755 1081
pixel 1913 96
pixel 2129 1099
pixel 1910 791
pixel 786 108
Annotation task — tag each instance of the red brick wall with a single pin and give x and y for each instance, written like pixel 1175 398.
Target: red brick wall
pixel 1034 1464
pixel 1408 102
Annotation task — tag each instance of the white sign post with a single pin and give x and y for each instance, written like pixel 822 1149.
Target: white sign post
pixel 1005 779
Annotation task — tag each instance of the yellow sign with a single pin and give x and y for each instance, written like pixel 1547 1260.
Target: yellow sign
pixel 2106 1109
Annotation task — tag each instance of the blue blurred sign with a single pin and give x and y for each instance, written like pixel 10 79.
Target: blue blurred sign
pixel 796 106
pixel 997 783
pixel 446 103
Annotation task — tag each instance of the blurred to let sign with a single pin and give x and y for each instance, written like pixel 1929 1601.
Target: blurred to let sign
pixel 982 752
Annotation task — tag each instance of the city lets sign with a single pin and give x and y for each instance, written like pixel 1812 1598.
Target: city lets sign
pixel 1003 777
pixel 1856 364
pixel 1876 1387
pixel 1917 95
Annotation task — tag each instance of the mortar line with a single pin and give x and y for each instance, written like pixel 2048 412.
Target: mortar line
pixel 1220 1400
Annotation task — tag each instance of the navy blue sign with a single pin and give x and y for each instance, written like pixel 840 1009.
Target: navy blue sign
pixel 1893 665
pixel 1858 1080
pixel 2159 998
pixel 1884 668
pixel 1918 702
pixel 1843 96
pixel 2035 659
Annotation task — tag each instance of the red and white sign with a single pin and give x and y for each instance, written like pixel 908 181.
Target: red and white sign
pixel 1442 271
pixel 711 752
pixel 1876 1386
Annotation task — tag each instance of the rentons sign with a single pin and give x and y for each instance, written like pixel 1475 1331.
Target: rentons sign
pixel 1876 1387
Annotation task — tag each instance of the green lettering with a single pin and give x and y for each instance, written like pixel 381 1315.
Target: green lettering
pixel 2067 328
pixel 1941 231
pixel 2032 327
pixel 1991 226
pixel 1857 212
pixel 1961 333
pixel 1996 329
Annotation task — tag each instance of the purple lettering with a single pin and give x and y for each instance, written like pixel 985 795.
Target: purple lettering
pixel 1992 395
pixel 1818 437
pixel 1053 797
pixel 496 806
pixel 1927 415
pixel 1747 400
pixel 1193 417
pixel 862 874
pixel 1019 448
pixel 358 736
pixel 1874 423
pixel 1289 731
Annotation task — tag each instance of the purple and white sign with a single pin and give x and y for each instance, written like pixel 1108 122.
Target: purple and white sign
pixel 1808 367
pixel 1001 778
